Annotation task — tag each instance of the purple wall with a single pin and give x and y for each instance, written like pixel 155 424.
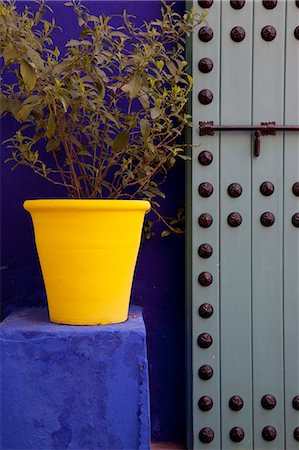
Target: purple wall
pixel 159 279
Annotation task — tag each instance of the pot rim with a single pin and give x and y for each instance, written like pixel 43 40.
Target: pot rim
pixel 86 204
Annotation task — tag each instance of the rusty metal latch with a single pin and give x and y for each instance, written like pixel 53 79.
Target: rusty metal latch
pixel 264 129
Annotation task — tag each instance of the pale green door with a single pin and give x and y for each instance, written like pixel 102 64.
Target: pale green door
pixel 243 267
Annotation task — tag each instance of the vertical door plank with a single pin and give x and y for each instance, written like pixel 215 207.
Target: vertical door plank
pixel 200 205
pixel 235 242
pixel 267 283
pixel 291 234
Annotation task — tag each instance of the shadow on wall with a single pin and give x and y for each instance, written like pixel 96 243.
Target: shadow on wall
pixel 159 278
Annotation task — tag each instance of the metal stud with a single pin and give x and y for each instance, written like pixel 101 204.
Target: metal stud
pixel 234 190
pixel 295 220
pixel 267 188
pixel 267 219
pixel 205 310
pixel 205 3
pixel 269 433
pixel 205 251
pixel 297 3
pixel 234 219
pixel 205 279
pixel 268 401
pixel 237 434
pixel 237 4
pixel 296 434
pixel 204 340
pixel 205 34
pixel 236 403
pixel 205 189
pixel 205 372
pixel 269 4
pixel 205 65
pixel 205 158
pixel 205 403
pixel 237 34
pixel 205 220
pixel 295 188
pixel 206 435
pixel 268 33
pixel 205 96
pixel 296 32
pixel 295 402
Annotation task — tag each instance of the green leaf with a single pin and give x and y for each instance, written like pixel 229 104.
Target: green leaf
pixel 51 126
pixel 73 43
pixel 145 128
pixel 190 79
pixel 24 112
pixel 32 100
pixel 28 74
pixel 9 53
pixel 14 106
pixel 165 233
pixel 132 88
pixel 160 64
pixel 155 113
pixel 120 141
pixel 81 21
pixel 84 151
pixel 52 146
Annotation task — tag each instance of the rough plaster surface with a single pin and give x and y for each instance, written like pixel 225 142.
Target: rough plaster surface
pixel 73 387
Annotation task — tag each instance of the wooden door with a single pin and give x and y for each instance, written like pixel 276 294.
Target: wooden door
pixel 243 264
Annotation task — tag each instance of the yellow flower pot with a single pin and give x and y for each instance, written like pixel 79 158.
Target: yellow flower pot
pixel 87 251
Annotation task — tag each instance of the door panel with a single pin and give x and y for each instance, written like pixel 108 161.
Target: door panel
pixel 245 294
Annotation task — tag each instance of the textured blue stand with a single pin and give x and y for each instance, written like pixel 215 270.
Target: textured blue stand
pixel 73 387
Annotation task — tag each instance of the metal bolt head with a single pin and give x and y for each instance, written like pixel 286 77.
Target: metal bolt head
pixel 234 190
pixel 268 4
pixel 205 310
pixel 205 189
pixel 295 188
pixel 205 96
pixel 234 219
pixel 236 403
pixel 267 219
pixel 297 3
pixel 295 220
pixel 205 34
pixel 205 279
pixel 237 34
pixel 205 220
pixel 205 158
pixel 204 340
pixel 295 402
pixel 296 32
pixel 205 3
pixel 268 401
pixel 237 4
pixel 205 251
pixel 267 188
pixel 296 434
pixel 269 433
pixel 206 435
pixel 205 65
pixel 237 434
pixel 268 33
pixel 205 372
pixel 205 403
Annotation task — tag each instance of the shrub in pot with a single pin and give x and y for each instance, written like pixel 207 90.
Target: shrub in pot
pixel 102 120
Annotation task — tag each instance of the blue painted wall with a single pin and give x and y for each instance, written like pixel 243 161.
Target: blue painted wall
pixel 159 279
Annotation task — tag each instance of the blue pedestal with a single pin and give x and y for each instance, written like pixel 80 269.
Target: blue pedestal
pixel 73 387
